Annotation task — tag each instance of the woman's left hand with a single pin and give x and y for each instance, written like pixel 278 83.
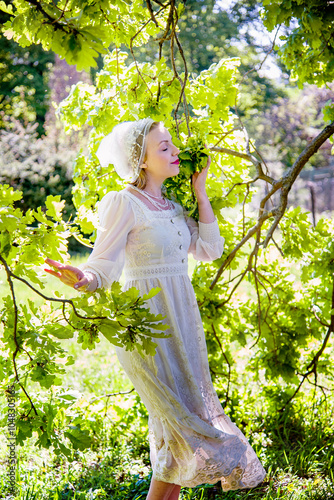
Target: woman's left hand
pixel 199 179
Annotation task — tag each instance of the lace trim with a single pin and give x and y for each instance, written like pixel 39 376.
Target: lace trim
pixel 209 231
pixel 89 270
pixel 133 273
pixel 154 213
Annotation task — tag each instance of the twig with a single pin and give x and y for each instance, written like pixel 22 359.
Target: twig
pixel 64 315
pixel 149 6
pixel 246 183
pixel 51 299
pixel 17 349
pixel 242 275
pixel 52 20
pixel 185 104
pixel 263 60
pixel 177 76
pixel 132 52
pixel 232 254
pixel 113 394
pixel 324 344
pixel 225 134
pixel 249 157
pixel 277 246
pixel 243 209
pixel 318 319
pixel 227 361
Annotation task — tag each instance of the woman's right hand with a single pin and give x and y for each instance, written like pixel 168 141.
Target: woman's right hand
pixel 70 275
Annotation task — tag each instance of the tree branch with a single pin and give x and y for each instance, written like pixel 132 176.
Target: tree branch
pixel 113 394
pixel 248 157
pixel 11 286
pixel 51 299
pixel 291 175
pixel 227 361
pixel 233 253
pixel 52 20
pixel 149 6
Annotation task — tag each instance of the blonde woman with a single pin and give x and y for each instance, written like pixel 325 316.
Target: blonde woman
pixel 148 236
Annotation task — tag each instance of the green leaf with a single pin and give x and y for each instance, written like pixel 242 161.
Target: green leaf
pixel 60 332
pixel 6 8
pixel 55 207
pixel 69 396
pixel 109 329
pixel 152 293
pixel 328 111
pixel 79 438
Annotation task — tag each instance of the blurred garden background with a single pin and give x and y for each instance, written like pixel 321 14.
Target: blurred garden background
pixel 270 343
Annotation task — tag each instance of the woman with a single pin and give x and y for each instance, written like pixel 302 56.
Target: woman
pixel 192 441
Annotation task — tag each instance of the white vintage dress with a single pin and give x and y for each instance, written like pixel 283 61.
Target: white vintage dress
pixel 192 441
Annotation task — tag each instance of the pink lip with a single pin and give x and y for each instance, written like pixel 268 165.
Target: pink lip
pixel 176 162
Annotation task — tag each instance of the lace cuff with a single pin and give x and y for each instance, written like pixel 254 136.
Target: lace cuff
pixel 209 231
pixel 90 272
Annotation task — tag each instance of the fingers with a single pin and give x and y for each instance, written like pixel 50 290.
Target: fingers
pixel 83 282
pixel 53 263
pixel 56 265
pixel 70 275
pixel 59 265
pixel 54 273
pixel 208 163
pixel 63 268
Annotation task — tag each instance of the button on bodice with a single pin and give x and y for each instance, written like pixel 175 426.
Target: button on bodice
pixel 157 244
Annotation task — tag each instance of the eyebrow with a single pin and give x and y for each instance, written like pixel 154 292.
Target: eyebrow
pixel 163 141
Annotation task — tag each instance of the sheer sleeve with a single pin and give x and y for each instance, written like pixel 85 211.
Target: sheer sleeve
pixel 206 242
pixel 107 259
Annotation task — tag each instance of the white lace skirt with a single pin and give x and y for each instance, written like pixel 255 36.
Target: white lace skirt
pixel 192 441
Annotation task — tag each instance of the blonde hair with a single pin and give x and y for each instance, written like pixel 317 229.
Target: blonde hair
pixel 141 180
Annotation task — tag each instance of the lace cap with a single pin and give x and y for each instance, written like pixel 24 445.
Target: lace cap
pixel 121 148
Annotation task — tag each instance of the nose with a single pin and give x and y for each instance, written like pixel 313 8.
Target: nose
pixel 176 150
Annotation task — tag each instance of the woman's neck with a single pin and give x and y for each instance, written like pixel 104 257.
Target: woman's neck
pixel 154 189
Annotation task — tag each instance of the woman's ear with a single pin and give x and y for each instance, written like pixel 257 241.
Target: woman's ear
pixel 143 165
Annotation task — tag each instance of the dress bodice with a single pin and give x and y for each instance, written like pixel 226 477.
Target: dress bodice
pixel 147 243
pixel 158 244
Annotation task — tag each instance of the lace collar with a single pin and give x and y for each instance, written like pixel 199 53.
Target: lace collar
pixel 155 213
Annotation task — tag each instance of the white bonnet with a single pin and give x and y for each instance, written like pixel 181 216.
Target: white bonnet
pixel 118 148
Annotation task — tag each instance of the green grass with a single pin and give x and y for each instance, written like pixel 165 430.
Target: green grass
pixel 296 448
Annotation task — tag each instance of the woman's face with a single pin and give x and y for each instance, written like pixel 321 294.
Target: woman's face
pixel 161 155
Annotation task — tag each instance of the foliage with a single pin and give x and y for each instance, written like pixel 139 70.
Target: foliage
pixel 194 157
pixel 39 166
pixel 308 48
pixel 288 333
pixel 287 323
pixel 77 32
pixel 296 448
pixel 24 92
pixel 209 33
